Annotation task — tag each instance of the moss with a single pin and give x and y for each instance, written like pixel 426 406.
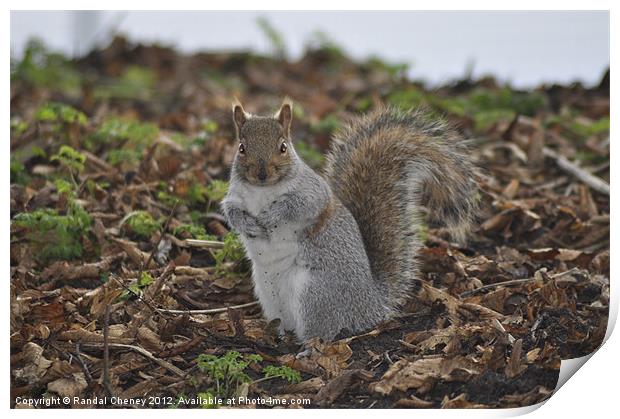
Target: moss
pixel 231 252
pixel 92 186
pixel 38 152
pixel 70 159
pixel 143 224
pixel 227 372
pixel 41 68
pixel 210 127
pixel 492 99
pixel 136 82
pixel 216 190
pixel 311 156
pixel 64 187
pixel 18 172
pixel 298 112
pixel 196 193
pixel 196 216
pixel 168 199
pixel 120 130
pixel 55 236
pixel 327 125
pixel 394 70
pixel 282 371
pixel 181 139
pixel 135 289
pixel 453 106
pixel 484 120
pixel 208 400
pixel 576 127
pixel 406 98
pixel 60 113
pixel 122 157
pixel 18 127
pixel 321 42
pixel 584 130
pixel 489 106
pixel 127 137
pixel 363 104
pixel 193 231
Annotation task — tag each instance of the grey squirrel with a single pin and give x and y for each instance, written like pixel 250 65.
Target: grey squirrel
pixel 338 252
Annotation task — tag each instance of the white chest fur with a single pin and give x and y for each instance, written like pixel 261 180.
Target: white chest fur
pixel 278 271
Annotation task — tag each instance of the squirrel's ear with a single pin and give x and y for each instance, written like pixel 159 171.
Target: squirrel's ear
pixel 285 116
pixel 239 116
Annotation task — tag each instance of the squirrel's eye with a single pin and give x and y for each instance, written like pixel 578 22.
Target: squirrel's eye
pixel 283 148
pixel 241 148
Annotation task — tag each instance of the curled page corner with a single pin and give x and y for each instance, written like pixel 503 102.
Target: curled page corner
pixel 520 411
pixel 568 367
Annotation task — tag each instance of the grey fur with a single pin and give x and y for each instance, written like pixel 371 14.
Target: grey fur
pixel 386 166
pixel 310 245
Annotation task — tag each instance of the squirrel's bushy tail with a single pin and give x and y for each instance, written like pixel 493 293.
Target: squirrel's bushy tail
pixel 385 167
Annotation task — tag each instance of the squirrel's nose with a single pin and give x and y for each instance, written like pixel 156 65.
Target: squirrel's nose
pixel 262 174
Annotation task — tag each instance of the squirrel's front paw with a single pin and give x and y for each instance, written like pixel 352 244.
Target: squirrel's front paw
pixel 270 218
pixel 255 231
pixel 245 223
pixel 267 222
pixel 253 228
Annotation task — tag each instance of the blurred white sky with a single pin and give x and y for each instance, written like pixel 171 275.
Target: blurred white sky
pixel 525 48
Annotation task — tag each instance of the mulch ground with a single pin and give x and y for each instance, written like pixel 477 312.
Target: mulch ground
pixel 107 285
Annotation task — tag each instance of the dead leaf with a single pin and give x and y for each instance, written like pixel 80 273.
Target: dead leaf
pixel 460 402
pixel 413 403
pixel 69 387
pixel 308 386
pixel 36 364
pixel 337 386
pixel 403 375
pixel 515 364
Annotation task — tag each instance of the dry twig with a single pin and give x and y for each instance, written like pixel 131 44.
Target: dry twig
pixel 167 365
pixel 209 311
pixel 106 351
pixel 583 175
pixel 205 244
pixel 511 282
